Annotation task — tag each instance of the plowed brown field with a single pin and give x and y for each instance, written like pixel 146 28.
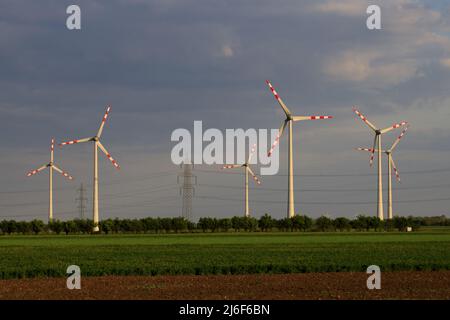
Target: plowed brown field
pixel 342 285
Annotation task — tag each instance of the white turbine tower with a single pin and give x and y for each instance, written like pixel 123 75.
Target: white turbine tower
pixel 289 121
pixel 247 170
pixel 97 144
pixel 51 165
pixel 391 165
pixel 377 146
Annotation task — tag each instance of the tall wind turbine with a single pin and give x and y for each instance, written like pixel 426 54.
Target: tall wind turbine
pixel 247 170
pixel 391 165
pixel 377 146
pixel 97 144
pixel 289 121
pixel 51 165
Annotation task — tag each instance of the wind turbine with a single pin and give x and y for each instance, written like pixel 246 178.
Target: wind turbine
pixel 51 165
pixel 97 144
pixel 378 148
pixel 247 170
pixel 289 121
pixel 391 165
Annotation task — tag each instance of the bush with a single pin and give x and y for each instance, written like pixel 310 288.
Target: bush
pixel 266 222
pixel 285 224
pixel 342 224
pixel 250 224
pixel 225 224
pixel 324 223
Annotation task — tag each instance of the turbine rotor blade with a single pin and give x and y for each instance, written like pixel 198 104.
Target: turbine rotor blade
pixel 373 150
pixel 363 118
pixel 231 166
pixel 75 141
pixel 251 153
pixel 114 163
pixel 65 174
pixel 277 139
pixel 253 175
pixel 364 149
pixel 397 174
pixel 394 126
pixel 52 149
pixel 399 138
pixel 277 97
pixel 100 130
pixel 33 172
pixel 302 118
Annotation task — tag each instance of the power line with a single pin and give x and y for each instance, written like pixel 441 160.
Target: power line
pixel 133 180
pixel 329 190
pixel 324 203
pixel 335 175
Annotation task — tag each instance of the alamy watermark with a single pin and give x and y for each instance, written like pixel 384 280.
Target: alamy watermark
pixel 73 21
pixel 374 280
pixel 228 148
pixel 74 278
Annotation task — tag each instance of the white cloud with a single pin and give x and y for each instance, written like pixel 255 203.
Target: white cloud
pixel 356 66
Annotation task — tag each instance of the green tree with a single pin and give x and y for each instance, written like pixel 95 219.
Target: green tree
pixel 11 226
pixel 375 223
pixel 389 225
pixel 249 223
pixel 56 226
pixel 414 222
pixel 236 223
pixel 179 224
pixel 285 224
pixel 324 223
pixel 23 227
pixel 298 222
pixel 266 222
pixel 342 224
pixel 225 224
pixel 70 227
pixel 204 224
pixel 308 223
pixel 191 226
pixel 166 224
pixel 37 226
pixel 400 223
pixel 106 226
pixel 361 223
pixel 149 225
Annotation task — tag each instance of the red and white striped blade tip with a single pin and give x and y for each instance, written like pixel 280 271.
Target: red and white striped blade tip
pixel 398 125
pixel 106 113
pixel 68 142
pixel 320 117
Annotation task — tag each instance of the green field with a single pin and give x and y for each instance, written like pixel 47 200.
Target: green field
pixel 231 253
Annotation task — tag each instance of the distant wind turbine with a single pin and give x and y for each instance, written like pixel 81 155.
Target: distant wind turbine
pixel 51 165
pixel 247 170
pixel 391 165
pixel 377 147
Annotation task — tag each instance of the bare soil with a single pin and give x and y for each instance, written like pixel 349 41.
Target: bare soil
pixel 338 285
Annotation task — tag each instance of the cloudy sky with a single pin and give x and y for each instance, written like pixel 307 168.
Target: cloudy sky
pixel 163 64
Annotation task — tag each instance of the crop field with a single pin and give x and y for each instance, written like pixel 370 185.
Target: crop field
pixel 230 253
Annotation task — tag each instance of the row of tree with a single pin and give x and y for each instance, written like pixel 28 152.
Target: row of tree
pixel 236 224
